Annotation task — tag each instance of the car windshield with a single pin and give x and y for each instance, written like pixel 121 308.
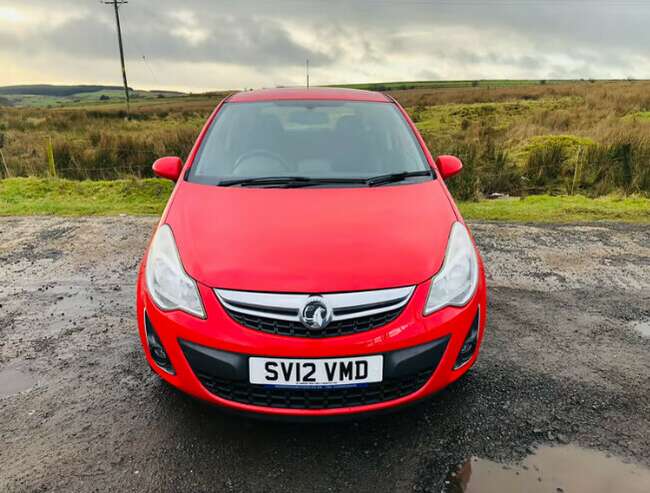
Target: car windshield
pixel 329 140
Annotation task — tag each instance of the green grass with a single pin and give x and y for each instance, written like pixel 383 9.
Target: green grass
pixel 449 118
pixel 570 144
pixel 560 209
pixel 38 196
pixel 641 115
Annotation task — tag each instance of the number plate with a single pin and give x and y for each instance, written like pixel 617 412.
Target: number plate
pixel 319 372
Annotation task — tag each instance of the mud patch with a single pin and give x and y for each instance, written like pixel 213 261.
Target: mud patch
pixel 55 233
pixel 13 381
pixel 550 469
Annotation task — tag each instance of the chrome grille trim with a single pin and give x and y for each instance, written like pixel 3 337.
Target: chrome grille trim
pixel 285 307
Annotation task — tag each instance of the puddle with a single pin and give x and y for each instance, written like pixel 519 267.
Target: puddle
pixel 551 470
pixel 14 381
pixel 643 328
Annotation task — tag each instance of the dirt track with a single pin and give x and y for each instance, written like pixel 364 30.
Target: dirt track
pixel 564 360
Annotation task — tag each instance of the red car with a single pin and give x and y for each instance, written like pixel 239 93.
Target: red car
pixel 310 261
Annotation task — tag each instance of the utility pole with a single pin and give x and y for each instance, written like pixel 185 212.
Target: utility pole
pixel 116 4
pixel 307 72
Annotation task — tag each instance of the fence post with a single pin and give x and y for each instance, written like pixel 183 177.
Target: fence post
pixel 2 157
pixel 50 158
pixel 577 172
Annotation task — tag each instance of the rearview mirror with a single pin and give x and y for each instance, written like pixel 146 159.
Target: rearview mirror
pixel 308 117
pixel 448 166
pixel 168 167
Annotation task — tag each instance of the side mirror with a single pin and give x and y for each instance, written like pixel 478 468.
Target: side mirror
pixel 448 166
pixel 168 167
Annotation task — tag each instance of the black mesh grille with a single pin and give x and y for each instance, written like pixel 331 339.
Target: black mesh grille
pixel 296 329
pixel 323 398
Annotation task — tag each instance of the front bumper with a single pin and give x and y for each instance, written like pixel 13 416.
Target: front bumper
pixel 226 376
pixel 210 357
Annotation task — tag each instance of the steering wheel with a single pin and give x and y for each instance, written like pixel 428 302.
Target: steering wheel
pixel 261 153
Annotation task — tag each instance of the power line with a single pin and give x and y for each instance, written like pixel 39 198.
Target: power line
pixel 144 59
pixel 116 5
pixel 141 53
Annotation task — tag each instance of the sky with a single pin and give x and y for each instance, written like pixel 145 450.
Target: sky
pixel 202 45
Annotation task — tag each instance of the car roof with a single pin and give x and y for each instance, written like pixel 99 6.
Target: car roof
pixel 312 93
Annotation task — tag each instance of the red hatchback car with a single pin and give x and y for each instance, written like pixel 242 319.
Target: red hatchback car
pixel 310 261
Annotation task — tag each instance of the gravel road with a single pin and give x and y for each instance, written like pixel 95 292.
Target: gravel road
pixel 565 360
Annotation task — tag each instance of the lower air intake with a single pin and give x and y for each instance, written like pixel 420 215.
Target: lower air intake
pixel 292 398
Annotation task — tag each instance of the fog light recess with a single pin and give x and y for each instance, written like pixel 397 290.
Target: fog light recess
pixel 470 344
pixel 156 349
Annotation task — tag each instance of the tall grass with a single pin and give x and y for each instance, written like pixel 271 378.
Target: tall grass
pixel 99 143
pixel 598 169
pixel 110 155
pixel 591 138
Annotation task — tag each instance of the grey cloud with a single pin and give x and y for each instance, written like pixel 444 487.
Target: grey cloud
pixel 594 23
pixel 495 58
pixel 357 38
pixel 256 42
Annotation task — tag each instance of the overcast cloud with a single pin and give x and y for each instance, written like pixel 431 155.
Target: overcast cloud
pixel 197 45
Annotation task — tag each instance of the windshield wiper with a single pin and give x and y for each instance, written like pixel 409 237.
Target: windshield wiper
pixel 395 177
pixel 305 181
pixel 289 181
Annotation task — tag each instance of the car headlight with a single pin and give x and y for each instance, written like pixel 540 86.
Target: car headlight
pixel 168 283
pixel 456 282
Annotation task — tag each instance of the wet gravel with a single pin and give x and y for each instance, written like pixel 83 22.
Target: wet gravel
pixel 563 362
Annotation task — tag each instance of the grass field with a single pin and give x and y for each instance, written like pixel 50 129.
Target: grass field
pixel 52 100
pixel 588 138
pixel 64 96
pixel 43 196
pixel 447 84
pixel 38 196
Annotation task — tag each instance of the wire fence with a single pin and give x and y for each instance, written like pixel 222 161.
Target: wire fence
pixel 105 156
pixel 106 169
pixel 91 163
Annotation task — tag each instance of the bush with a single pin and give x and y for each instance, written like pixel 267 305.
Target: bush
pixel 545 164
pixel 416 114
pixel 499 173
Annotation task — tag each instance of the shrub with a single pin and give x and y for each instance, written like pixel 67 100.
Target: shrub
pixel 545 164
pixel 499 173
pixel 416 114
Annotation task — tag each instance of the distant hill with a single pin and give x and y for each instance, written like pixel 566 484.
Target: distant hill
pixel 48 95
pixel 55 91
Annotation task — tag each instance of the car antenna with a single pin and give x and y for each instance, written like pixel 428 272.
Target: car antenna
pixel 307 72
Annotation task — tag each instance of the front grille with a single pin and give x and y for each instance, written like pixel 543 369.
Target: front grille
pixel 347 313
pixel 317 398
pixel 296 329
